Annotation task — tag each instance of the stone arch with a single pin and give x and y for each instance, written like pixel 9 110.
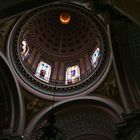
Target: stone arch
pixel 12 112
pixel 88 110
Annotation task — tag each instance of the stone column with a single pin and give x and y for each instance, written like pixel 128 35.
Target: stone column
pixel 82 66
pixel 36 61
pixel 61 73
pixel 88 62
pixel 119 63
pixel 31 56
pixel 55 71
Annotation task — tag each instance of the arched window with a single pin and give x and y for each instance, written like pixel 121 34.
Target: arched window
pixel 24 50
pixel 95 57
pixel 43 71
pixel 72 75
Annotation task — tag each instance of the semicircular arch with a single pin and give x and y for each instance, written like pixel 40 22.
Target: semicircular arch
pixel 109 108
pixel 13 105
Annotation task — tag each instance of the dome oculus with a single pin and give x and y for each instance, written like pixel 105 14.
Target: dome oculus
pixel 64 18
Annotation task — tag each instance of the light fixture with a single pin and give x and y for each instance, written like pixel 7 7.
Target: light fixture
pixel 64 18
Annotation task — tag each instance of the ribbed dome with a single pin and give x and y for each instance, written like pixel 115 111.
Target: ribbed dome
pixel 71 58
pixel 55 39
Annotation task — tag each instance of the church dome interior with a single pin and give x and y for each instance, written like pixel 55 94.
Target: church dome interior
pixel 69 70
pixel 60 46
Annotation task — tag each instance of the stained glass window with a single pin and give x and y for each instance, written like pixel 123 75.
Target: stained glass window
pixel 24 50
pixel 95 57
pixel 43 71
pixel 72 75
